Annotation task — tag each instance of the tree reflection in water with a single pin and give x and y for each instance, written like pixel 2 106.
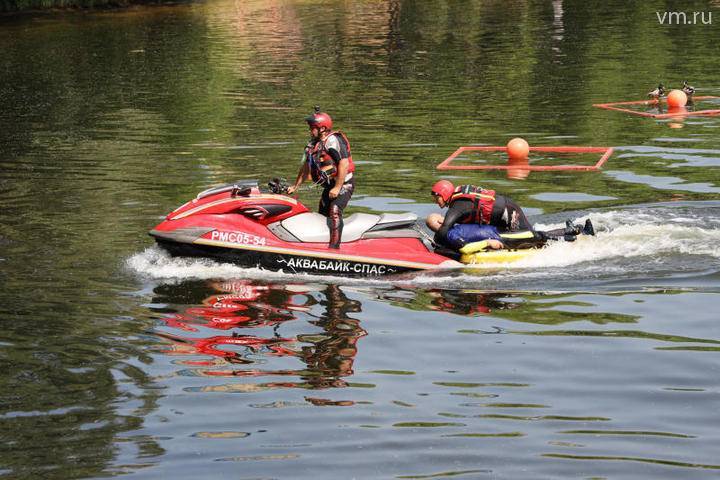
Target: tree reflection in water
pixel 458 302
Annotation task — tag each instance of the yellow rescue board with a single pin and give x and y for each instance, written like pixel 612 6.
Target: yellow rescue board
pixel 498 256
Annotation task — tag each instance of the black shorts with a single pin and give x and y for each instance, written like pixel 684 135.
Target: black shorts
pixel 340 201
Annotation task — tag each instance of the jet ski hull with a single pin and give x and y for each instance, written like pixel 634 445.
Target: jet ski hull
pixel 240 224
pixel 298 262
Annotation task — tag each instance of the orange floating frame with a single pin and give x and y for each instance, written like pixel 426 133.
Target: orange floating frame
pixel 617 106
pixel 605 151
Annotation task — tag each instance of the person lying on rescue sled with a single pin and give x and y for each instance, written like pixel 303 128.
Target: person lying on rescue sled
pixel 327 160
pixel 461 234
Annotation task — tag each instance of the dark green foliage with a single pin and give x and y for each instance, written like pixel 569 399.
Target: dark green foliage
pixel 10 6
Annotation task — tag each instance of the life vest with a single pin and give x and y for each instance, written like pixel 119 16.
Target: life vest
pixel 322 167
pixel 483 202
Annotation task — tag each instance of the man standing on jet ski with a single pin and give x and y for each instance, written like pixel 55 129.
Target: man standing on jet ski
pixel 468 204
pixel 327 160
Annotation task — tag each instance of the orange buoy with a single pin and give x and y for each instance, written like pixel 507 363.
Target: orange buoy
pixel 519 148
pixel 676 98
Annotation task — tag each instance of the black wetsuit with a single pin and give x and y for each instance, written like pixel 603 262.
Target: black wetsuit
pixel 333 208
pixel 506 216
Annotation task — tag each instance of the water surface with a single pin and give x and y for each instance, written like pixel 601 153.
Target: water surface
pixel 594 360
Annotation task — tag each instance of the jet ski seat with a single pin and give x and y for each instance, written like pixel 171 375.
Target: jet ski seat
pixel 312 227
pixel 395 220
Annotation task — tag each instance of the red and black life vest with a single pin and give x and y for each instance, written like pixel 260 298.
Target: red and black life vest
pixel 322 167
pixel 483 203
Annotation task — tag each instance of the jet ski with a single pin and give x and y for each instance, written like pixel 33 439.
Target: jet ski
pixel 241 224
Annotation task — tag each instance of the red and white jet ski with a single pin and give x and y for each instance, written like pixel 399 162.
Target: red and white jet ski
pixel 240 224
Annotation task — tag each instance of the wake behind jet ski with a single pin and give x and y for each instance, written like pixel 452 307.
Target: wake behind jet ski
pixel 241 224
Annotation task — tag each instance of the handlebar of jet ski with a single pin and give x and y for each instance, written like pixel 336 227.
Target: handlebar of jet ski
pixel 278 186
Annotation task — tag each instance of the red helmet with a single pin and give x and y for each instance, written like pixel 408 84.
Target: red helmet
pixel 443 189
pixel 319 119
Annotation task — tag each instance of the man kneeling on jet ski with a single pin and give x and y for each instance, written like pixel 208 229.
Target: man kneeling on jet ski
pixel 471 205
